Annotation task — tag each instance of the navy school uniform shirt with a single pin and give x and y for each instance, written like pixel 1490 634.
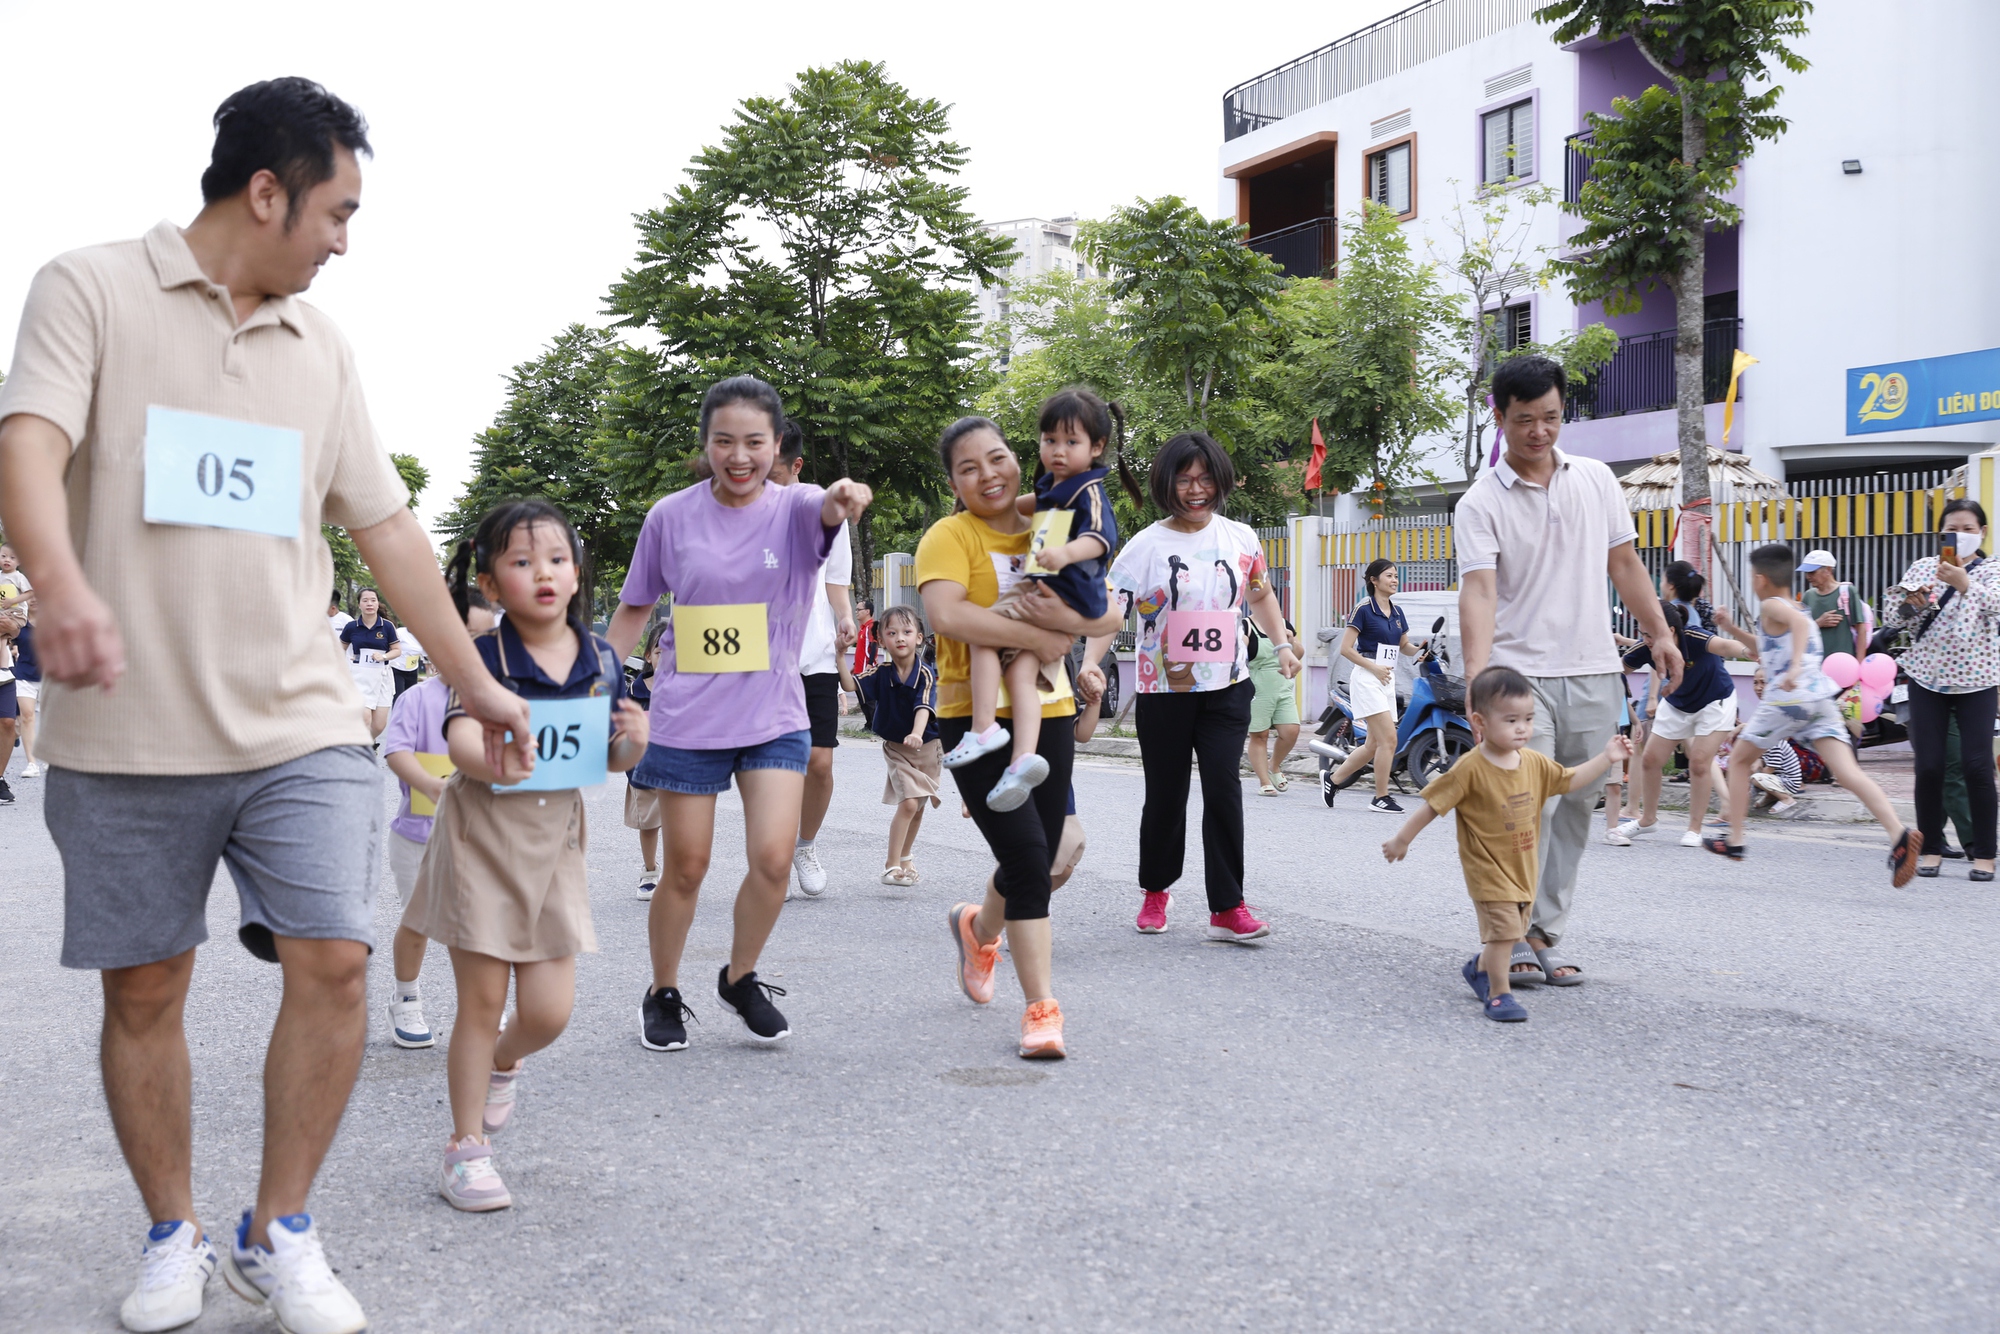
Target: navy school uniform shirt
pixel 1704 680
pixel 1371 627
pixel 895 700
pixel 26 666
pixel 596 671
pixel 1081 585
pixel 360 638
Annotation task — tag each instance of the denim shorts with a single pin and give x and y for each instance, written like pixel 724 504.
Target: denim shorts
pixel 703 773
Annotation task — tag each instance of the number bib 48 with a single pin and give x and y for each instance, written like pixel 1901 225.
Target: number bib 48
pixel 723 637
pixel 211 472
pixel 1201 636
pixel 572 739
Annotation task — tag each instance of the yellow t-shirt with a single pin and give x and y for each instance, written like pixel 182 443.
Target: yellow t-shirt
pixel 963 550
pixel 1499 820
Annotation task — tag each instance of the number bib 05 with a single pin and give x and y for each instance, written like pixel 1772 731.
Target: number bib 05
pixel 211 472
pixel 1201 636
pixel 723 637
pixel 572 737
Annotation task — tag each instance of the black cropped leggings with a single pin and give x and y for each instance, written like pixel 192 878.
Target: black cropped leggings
pixel 1023 840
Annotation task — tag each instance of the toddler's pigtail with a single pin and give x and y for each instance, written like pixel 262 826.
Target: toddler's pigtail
pixel 457 576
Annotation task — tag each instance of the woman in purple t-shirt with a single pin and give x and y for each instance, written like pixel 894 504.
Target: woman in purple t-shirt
pixel 741 559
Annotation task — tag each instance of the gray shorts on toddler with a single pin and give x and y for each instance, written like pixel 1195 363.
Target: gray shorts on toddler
pixel 301 840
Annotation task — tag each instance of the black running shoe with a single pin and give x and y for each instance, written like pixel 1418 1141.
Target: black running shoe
pixel 751 999
pixel 6 793
pixel 663 1017
pixel 1386 805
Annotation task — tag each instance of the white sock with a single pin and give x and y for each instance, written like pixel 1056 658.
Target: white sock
pixel 407 991
pixel 805 842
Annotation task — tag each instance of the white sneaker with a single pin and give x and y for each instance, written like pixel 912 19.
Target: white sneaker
pixel 1785 810
pixel 32 771
pixel 1633 829
pixel 406 1022
pixel 648 882
pixel 1691 838
pixel 173 1269
pixel 293 1279
pixel 1617 839
pixel 812 876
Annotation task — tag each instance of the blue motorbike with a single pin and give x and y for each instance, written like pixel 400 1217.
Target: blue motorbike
pixel 1430 735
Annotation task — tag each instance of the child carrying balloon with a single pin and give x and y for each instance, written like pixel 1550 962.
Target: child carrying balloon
pixel 502 883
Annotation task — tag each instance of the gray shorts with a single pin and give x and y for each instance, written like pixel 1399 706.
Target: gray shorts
pixel 301 839
pixel 1819 720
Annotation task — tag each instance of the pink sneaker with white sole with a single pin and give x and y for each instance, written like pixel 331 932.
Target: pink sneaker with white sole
pixel 1153 912
pixel 1236 924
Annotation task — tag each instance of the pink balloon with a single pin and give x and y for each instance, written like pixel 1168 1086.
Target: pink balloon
pixel 1842 667
pixel 1871 704
pixel 1878 673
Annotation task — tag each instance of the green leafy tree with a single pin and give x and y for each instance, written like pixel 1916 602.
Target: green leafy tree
pixel 822 246
pixel 1662 162
pixel 350 572
pixel 1379 371
pixel 543 443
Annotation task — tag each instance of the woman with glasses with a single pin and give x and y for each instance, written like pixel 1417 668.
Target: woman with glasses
pixel 1194 575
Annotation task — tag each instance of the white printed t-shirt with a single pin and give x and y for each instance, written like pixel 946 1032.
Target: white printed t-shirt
pixel 1164 570
pixel 1547 547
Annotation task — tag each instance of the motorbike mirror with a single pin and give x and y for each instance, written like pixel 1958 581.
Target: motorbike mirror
pixel 1437 625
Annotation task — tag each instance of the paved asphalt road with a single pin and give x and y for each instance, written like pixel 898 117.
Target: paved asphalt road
pixel 1772 1108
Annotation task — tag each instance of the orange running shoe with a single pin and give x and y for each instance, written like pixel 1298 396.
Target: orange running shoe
pixel 1041 1032
pixel 975 961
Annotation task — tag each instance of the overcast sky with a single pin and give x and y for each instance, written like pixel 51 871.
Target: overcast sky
pixel 513 142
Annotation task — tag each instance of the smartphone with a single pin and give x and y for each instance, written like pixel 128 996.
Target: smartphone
pixel 1948 549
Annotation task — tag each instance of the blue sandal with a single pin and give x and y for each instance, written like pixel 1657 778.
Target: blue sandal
pixel 1475 977
pixel 1506 1010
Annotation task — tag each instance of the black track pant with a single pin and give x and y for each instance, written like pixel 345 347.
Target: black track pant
pixel 1929 715
pixel 1024 839
pixel 1208 727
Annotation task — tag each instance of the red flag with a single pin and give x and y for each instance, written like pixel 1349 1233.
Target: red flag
pixel 1318 457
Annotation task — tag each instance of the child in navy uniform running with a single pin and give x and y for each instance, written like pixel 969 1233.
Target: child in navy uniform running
pixel 902 710
pixel 1076 426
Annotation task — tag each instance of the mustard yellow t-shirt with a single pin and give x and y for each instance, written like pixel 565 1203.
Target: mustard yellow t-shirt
pixel 964 550
pixel 1499 820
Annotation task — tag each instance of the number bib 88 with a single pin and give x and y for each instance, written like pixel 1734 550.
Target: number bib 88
pixel 1201 636
pixel 723 637
pixel 212 472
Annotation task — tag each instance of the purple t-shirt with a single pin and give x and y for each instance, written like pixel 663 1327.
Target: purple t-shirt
pixel 416 723
pixel 707 554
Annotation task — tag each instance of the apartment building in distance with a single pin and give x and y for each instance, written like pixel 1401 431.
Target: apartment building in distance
pixel 1041 246
pixel 1864 276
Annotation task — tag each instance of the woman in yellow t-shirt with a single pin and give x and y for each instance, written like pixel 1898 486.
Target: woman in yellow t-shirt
pixel 964 563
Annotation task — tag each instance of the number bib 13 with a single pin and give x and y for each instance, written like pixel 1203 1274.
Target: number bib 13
pixel 572 737
pixel 1201 636
pixel 211 472
pixel 722 637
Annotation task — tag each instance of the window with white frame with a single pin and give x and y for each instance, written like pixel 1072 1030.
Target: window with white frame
pixel 1389 178
pixel 1509 138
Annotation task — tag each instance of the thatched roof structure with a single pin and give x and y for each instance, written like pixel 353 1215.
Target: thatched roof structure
pixel 1656 485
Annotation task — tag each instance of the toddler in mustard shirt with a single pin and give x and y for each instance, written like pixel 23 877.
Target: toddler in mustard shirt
pixel 1498 790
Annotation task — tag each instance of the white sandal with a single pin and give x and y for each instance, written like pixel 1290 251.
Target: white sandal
pixel 1267 790
pixel 894 876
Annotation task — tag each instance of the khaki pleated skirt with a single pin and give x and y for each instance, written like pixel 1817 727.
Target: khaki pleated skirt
pixel 503 875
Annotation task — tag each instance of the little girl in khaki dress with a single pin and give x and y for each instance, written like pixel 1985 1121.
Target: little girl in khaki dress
pixel 502 883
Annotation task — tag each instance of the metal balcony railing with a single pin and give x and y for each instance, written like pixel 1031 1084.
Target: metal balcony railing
pixel 1302 251
pixel 1576 165
pixel 1419 33
pixel 1640 375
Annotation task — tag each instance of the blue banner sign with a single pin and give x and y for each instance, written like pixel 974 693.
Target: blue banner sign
pixel 1936 391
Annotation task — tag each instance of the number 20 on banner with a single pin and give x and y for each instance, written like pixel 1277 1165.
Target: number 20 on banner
pixel 722 637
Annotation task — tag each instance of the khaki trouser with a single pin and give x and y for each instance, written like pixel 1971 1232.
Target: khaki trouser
pixel 1574 717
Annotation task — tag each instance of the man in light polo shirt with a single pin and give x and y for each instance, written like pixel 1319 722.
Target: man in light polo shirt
pixel 173 406
pixel 829 631
pixel 1536 537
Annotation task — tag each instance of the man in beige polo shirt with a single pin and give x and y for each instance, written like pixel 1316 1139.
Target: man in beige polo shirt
pixel 1536 537
pixel 173 407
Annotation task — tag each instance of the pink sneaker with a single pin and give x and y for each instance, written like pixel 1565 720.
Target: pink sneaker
pixel 500 1093
pixel 1153 912
pixel 1236 924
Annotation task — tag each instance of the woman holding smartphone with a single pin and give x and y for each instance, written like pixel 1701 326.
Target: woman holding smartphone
pixel 1951 604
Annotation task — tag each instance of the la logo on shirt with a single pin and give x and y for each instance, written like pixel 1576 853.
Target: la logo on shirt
pixel 770 559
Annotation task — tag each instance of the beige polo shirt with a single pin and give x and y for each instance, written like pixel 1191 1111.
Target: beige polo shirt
pixel 228 664
pixel 1548 549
